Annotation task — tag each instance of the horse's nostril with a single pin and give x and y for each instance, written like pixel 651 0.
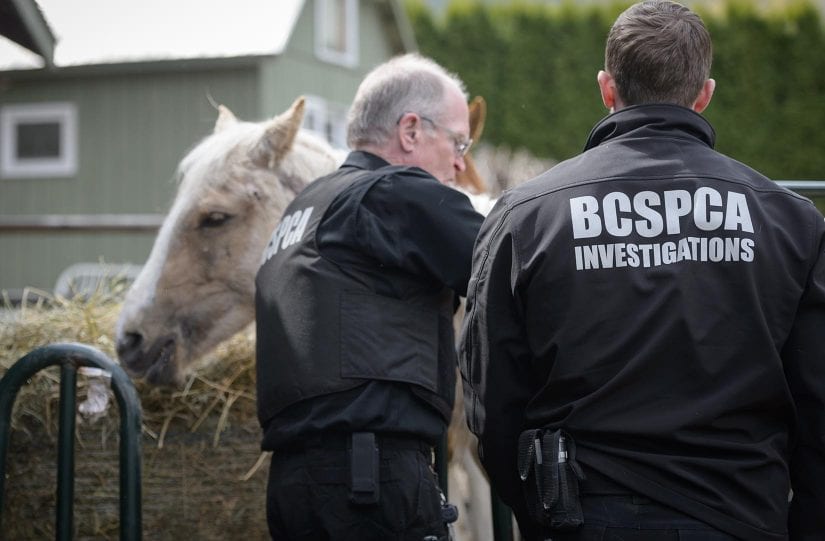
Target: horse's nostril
pixel 128 343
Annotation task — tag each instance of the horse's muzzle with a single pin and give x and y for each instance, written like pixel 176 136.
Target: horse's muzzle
pixel 155 364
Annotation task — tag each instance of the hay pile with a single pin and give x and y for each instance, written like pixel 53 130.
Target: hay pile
pixel 203 473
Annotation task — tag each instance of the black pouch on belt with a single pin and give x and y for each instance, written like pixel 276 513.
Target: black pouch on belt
pixel 550 475
pixel 363 464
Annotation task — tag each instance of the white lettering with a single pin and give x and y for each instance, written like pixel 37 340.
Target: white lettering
pixel 685 249
pixel 737 215
pixel 747 250
pixel 613 203
pixel 583 214
pixel 633 255
pixel 703 200
pixel 606 255
pixel 591 257
pixel 677 204
pixel 652 225
pixel 650 214
pixel 288 224
pixel 621 254
pixel 716 249
pixel 301 226
pixel 289 231
pixel 669 253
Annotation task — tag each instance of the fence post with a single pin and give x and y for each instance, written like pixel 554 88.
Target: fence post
pixel 70 356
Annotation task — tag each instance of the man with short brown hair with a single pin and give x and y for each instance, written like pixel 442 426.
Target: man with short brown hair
pixel 645 322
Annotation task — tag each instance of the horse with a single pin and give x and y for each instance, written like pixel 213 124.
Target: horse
pixel 197 287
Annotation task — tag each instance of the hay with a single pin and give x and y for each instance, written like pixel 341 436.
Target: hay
pixel 203 473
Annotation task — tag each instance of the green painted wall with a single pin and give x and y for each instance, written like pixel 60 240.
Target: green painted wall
pixel 133 129
pixel 35 260
pixel 298 71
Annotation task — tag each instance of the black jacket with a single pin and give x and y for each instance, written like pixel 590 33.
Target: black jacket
pixel 354 304
pixel 664 304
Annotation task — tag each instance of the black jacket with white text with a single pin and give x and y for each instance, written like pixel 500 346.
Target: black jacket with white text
pixel 665 305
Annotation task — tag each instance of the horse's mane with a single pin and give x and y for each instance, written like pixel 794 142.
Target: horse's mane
pixel 309 158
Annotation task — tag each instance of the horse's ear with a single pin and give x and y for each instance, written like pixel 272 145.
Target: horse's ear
pixel 469 179
pixel 478 114
pixel 280 134
pixel 225 118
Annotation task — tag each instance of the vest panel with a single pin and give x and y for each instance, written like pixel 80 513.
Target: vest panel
pixel 322 327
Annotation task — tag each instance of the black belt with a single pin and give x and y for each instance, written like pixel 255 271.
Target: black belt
pixel 363 450
pixel 597 483
pixel 331 441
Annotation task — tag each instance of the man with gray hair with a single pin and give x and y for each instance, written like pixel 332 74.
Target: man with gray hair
pixel 356 360
pixel 643 352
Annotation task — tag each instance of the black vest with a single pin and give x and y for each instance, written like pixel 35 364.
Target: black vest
pixel 325 327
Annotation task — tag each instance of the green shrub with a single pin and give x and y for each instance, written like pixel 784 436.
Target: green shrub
pixel 536 67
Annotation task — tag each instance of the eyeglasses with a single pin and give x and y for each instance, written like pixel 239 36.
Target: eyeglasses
pixel 460 144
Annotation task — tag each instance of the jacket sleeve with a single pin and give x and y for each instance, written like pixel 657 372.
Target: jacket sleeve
pixel 411 221
pixel 804 359
pixel 495 358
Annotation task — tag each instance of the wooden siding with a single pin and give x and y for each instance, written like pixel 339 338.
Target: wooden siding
pixel 32 260
pixel 132 131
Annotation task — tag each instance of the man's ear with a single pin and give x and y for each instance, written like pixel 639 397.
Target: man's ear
pixel 409 131
pixel 703 100
pixel 607 87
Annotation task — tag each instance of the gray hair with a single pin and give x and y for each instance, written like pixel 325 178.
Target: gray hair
pixel 407 83
pixel 658 52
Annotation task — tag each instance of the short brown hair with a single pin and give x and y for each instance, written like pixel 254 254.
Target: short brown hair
pixel 658 52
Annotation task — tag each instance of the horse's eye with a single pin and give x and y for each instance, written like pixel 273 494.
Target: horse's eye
pixel 214 219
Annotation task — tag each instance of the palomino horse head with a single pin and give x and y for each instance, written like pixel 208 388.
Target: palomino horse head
pixel 197 287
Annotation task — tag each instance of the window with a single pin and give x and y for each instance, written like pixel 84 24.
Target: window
pixel 336 31
pixel 38 140
pixel 327 120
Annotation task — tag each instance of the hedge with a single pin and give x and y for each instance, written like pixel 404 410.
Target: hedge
pixel 536 67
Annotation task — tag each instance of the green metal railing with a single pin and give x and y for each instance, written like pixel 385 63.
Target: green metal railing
pixel 70 356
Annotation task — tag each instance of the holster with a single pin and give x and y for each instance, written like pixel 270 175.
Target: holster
pixel 364 476
pixel 550 475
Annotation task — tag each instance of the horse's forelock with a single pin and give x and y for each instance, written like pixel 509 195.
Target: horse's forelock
pixel 212 152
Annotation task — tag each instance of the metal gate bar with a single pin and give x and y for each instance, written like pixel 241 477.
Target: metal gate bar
pixel 65 455
pixel 70 356
pixel 809 188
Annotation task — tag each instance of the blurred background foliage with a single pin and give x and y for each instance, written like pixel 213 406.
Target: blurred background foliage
pixel 536 66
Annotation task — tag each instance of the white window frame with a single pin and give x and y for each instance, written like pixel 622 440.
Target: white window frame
pixel 348 57
pixel 319 113
pixel 11 116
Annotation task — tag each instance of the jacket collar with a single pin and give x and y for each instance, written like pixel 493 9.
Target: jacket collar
pixel 646 120
pixel 364 160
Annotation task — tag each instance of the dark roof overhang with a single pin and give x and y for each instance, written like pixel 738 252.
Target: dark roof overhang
pixel 23 22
